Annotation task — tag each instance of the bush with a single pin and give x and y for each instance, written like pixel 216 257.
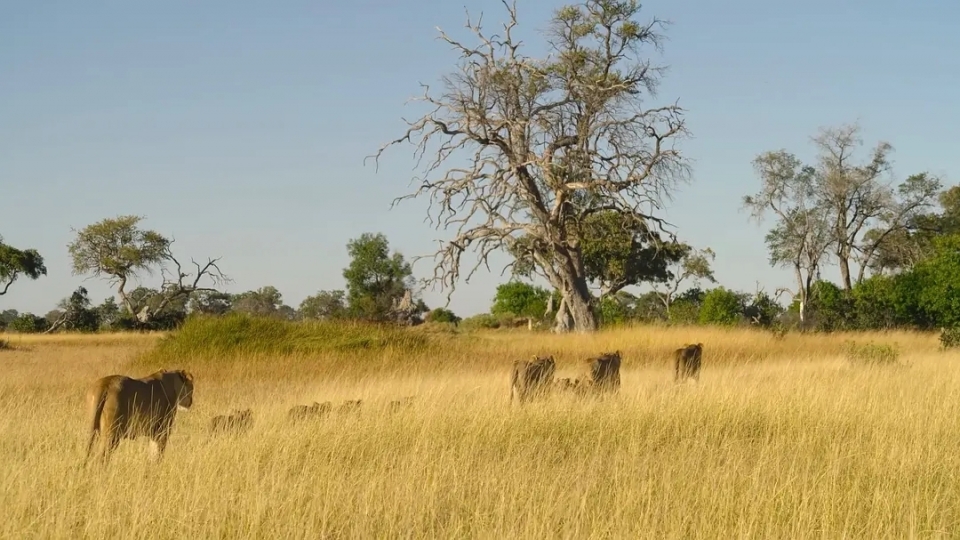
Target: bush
pixel 28 323
pixel 481 321
pixel 950 337
pixel 612 312
pixel 721 306
pixel 872 354
pixel 442 315
pixel 215 337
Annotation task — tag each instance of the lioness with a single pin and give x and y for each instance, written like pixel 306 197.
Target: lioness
pixel 299 412
pixel 602 373
pixel 237 421
pixel 125 408
pixel 687 362
pixel 531 377
pixel 398 404
pixel 350 405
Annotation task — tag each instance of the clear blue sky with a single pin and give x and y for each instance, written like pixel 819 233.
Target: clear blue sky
pixel 240 128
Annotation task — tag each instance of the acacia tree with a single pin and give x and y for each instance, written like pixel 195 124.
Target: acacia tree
pixel 15 263
pixel 116 248
pixel 548 142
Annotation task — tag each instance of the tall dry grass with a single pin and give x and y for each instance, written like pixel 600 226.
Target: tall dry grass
pixel 781 439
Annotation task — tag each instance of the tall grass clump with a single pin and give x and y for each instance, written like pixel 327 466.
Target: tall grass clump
pixel 244 336
pixel 873 354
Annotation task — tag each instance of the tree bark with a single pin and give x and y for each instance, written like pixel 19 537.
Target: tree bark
pixel 844 259
pixel 563 321
pixel 803 293
pixel 578 304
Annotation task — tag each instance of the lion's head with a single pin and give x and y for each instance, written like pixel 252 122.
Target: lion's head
pixel 180 384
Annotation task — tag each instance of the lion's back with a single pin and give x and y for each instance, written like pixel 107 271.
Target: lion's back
pixel 124 399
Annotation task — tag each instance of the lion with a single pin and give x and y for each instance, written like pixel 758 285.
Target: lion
pixel 531 377
pixel 300 412
pixel 687 362
pixel 398 404
pixel 122 407
pixel 238 421
pixel 602 373
pixel 573 386
pixel 352 405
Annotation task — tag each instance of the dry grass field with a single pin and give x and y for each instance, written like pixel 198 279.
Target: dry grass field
pixel 782 438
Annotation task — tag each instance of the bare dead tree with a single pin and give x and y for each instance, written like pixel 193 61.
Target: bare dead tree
pixel 179 284
pixel 546 142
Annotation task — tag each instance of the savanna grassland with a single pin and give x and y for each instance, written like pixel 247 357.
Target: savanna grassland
pixel 793 437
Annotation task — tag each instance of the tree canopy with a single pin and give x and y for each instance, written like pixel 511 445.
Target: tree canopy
pixel 376 279
pixel 116 248
pixel 16 262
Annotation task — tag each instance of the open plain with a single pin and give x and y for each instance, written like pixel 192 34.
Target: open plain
pixel 783 437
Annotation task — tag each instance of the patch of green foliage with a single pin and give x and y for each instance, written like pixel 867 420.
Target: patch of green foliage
pixel 872 354
pixel 241 335
pixel 950 337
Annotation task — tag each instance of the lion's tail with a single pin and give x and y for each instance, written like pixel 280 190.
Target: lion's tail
pixel 96 400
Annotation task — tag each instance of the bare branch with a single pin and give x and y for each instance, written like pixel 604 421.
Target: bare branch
pixel 546 141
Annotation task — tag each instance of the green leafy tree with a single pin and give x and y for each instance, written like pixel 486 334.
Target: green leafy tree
pixel 620 251
pixel 520 299
pixel 376 279
pixel 7 316
pixel 935 283
pixel 722 307
pixel 109 313
pixel 442 315
pixel 548 142
pixel 902 248
pixel 76 313
pixel 879 305
pixel 28 323
pixel 648 307
pixel 15 263
pixel 263 302
pixel 324 305
pixel 118 250
pixel 685 308
pixel 210 302
pixel 831 307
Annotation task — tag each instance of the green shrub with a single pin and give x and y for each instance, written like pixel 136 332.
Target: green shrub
pixel 28 323
pixel 721 307
pixel 442 315
pixel 950 337
pixel 481 321
pixel 872 354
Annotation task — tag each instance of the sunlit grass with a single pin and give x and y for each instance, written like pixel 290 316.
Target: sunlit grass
pixel 782 438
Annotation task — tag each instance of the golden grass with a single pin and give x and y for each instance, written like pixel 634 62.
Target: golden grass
pixel 781 439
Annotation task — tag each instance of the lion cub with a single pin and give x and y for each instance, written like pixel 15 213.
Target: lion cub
pixel 238 421
pixel 300 412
